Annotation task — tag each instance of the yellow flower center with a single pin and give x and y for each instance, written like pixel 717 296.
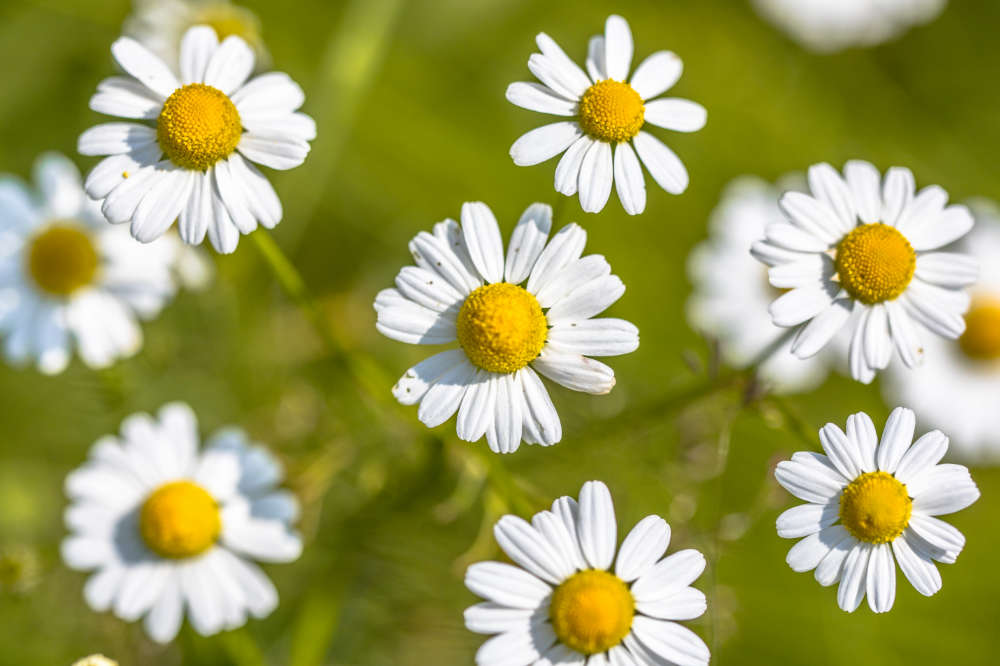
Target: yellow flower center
pixel 875 263
pixel 981 340
pixel 180 519
pixel 592 611
pixel 62 259
pixel 501 327
pixel 228 20
pixel 875 507
pixel 198 126
pixel 611 111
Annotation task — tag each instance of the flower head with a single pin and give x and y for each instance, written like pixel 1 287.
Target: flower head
pixel 863 253
pixel 872 504
pixel 573 595
pixel 464 290
pixel 167 527
pixel 191 160
pixel 609 114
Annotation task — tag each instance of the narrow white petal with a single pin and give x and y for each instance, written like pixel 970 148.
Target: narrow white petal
pixel 798 306
pixel 657 74
pixel 919 569
pixel 806 519
pixel 671 641
pixel 669 575
pixel 679 115
pixel 506 585
pixel 617 47
pixel 852 582
pixel 575 372
pixel 482 238
pixel 540 416
pixel 642 548
pixel 230 66
pixel 596 177
pixel 537 97
pixel 947 269
pixel 629 181
pixel 861 430
pixel 567 177
pixel 920 458
pixel 897 193
pixel 904 334
pixel 598 528
pixel 831 567
pixel 138 61
pixel 197 48
pixel 595 337
pixel 443 398
pixel 545 142
pixel 896 439
pixel 476 409
pixel 814 336
pixel 281 152
pixel 528 548
pixel 587 300
pixel 864 181
pixel 527 242
pixel 596 67
pixel 566 246
pixel 827 186
pixel 664 166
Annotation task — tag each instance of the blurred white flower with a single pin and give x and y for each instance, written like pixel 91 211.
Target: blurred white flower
pixel 68 280
pixel 159 25
pixel 168 527
pixel 831 25
pixel 731 290
pixel 957 386
pixel 863 254
pixel 95 660
pixel 872 505
pixel 608 115
pixel 462 289
pixel 564 603
pixel 190 166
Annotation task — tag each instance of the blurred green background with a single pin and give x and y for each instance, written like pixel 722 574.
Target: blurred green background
pixel 409 97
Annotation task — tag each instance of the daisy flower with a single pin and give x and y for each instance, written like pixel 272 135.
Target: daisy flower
pixel 859 253
pixel 159 25
pixel 966 370
pixel 69 281
pixel 872 504
pixel 169 528
pixel 463 289
pixel 822 25
pixel 731 289
pixel 609 112
pixel 570 600
pixel 95 660
pixel 195 162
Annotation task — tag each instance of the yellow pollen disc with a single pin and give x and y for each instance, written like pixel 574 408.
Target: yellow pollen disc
pixel 501 327
pixel 180 519
pixel 875 263
pixel 611 111
pixel 62 259
pixel 198 126
pixel 875 507
pixel 228 20
pixel 592 611
pixel 981 340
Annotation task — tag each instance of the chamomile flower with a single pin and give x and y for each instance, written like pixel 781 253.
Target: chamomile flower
pixel 864 254
pixel 159 25
pixel 462 289
pixel 169 528
pixel 95 660
pixel 872 504
pixel 966 370
pixel 825 25
pixel 731 289
pixel 571 600
pixel 608 114
pixel 192 159
pixel 68 280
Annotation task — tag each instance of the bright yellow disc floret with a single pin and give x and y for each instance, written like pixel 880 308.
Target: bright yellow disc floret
pixel 501 327
pixel 198 126
pixel 981 340
pixel 875 507
pixel 179 520
pixel 592 611
pixel 62 259
pixel 611 111
pixel 875 263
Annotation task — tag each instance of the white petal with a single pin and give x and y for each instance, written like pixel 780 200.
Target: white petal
pixel 904 334
pixel 115 138
pixel 482 238
pixel 629 180
pixel 864 181
pixel 138 61
pixel 679 115
pixel 545 142
pixel 596 177
pixel 657 74
pixel 162 204
pixel 798 306
pixel 443 398
pixel 827 186
pixel 920 458
pixel 955 222
pixel 617 47
pixel 120 204
pixel 570 72
pixel 595 337
pixel 940 310
pixel 476 409
pixel 812 483
pixel 664 166
pixel 568 170
pixel 596 68
pixel 505 430
pixel 810 551
pixel 195 216
pixel 404 320
pixel 125 97
pixel 516 647
pixel 670 641
pixel 434 255
pixel 271 94
pixel 949 488
pixel 598 528
pixel 537 97
pixel 276 151
pixel 897 193
pixel 813 216
pixel 428 289
pixel 814 336
pixel 685 604
pixel 947 269
pixel 589 299
pixel 806 519
pixel 197 48
pixel 165 617
pixel 572 277
pixel 259 196
pixel 575 372
pixel 527 242
pixel 831 567
pixel 790 237
pixel 642 548
pixel 861 431
pixel 556 532
pixel 896 439
pixel 490 618
pixel 944 542
pixel 540 416
pixel 413 385
pixel 860 370
pixel 919 569
pixel 565 247
pixel 881 579
pixel 669 575
pixel 877 341
pixel 230 66
pixel 506 585
pixel 852 582
pixel 526 547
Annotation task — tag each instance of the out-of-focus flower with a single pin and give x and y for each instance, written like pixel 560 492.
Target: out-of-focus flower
pixel 831 25
pixel 871 505
pixel 159 25
pixel 95 660
pixel 190 166
pixel 732 293
pixel 965 372
pixel 68 280
pixel 463 289
pixel 859 253
pixel 608 114
pixel 168 527
pixel 564 603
